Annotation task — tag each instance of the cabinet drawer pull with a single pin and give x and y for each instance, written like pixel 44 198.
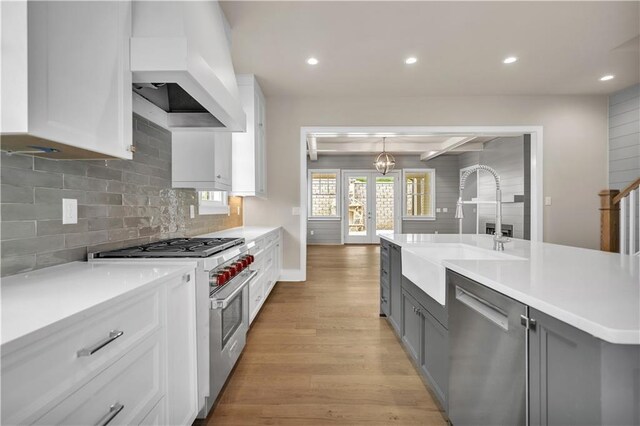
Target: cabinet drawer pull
pixel 219 176
pixel 113 335
pixel 114 410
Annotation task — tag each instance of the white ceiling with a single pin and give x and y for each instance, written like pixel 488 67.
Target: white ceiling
pixel 563 47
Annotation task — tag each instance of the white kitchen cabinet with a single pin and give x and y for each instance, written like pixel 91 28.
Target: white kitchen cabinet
pixel 128 360
pixel 249 148
pixel 123 394
pixel 202 160
pixel 268 254
pixel 182 363
pixel 66 79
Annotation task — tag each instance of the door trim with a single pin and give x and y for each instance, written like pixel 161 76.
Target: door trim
pixel 537 137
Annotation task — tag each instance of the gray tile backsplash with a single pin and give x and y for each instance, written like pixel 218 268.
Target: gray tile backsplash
pixel 120 203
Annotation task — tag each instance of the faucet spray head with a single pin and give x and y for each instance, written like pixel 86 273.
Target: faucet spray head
pixel 459 213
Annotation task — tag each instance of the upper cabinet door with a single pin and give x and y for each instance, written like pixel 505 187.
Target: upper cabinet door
pixel 201 160
pixel 249 149
pixel 72 91
pixel 223 160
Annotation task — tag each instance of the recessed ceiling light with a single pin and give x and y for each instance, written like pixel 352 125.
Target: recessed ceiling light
pixel 312 61
pixel 411 60
pixel 509 60
pixel 607 77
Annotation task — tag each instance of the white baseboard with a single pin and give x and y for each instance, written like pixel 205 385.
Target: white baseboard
pixel 292 275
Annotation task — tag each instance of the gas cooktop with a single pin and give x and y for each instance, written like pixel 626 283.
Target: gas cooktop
pixel 175 247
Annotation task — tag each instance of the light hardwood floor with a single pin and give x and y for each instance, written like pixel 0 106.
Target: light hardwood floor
pixel 319 353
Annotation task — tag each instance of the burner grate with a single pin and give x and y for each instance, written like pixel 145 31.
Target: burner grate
pixel 175 247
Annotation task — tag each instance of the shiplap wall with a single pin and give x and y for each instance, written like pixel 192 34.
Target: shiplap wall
pixel 624 137
pixel 329 231
pixel 507 157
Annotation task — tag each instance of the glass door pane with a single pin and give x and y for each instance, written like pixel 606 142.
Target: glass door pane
pixel 385 205
pixel 357 209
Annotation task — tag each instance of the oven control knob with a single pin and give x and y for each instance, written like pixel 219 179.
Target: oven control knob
pixel 221 279
pixel 245 261
pixel 232 270
pixel 251 259
pixel 240 266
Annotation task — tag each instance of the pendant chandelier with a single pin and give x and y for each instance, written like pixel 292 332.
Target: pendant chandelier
pixel 384 161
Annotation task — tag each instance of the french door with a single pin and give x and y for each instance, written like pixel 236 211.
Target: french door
pixel 371 206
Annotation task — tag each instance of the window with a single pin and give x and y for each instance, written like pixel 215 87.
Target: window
pixel 213 202
pixel 419 185
pixel 324 189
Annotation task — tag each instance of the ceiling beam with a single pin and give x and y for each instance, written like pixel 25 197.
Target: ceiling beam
pixel 372 147
pixel 312 145
pixel 448 145
pixel 469 147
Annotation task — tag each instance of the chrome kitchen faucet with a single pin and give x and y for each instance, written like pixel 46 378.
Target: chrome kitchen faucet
pixel 498 238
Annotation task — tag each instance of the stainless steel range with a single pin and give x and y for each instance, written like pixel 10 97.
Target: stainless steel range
pixel 222 300
pixel 176 247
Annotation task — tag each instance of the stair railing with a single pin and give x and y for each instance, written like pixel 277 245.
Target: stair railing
pixel 619 224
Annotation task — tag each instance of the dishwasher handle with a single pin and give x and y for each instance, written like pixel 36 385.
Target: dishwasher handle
pixel 484 308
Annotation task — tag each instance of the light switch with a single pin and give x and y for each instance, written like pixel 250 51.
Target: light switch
pixel 69 211
pixel 192 211
pixel 295 211
pixel 312 232
pixel 547 201
pixel 438 209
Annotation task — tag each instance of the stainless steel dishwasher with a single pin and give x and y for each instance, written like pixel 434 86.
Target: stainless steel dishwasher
pixel 488 369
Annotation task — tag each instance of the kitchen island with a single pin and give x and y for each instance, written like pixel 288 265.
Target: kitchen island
pixel 579 322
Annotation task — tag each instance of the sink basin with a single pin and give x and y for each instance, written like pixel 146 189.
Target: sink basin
pixel 423 265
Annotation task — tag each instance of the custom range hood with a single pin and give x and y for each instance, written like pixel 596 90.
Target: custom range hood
pixel 183 77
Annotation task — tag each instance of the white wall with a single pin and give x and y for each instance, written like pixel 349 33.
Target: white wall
pixel 575 151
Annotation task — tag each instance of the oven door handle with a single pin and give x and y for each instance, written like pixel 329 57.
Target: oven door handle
pixel 222 303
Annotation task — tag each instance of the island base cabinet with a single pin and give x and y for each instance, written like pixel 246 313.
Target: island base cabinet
pixel 578 379
pixel 384 300
pixel 435 356
pixel 411 325
pixel 395 284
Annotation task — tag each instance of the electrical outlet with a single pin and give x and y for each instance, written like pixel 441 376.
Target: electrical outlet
pixel 69 211
pixel 547 201
pixel 295 211
pixel 192 211
pixel 445 210
pixel 438 209
pixel 312 232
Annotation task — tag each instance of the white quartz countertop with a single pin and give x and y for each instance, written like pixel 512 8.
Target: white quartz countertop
pixel 249 233
pixel 594 291
pixel 48 298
